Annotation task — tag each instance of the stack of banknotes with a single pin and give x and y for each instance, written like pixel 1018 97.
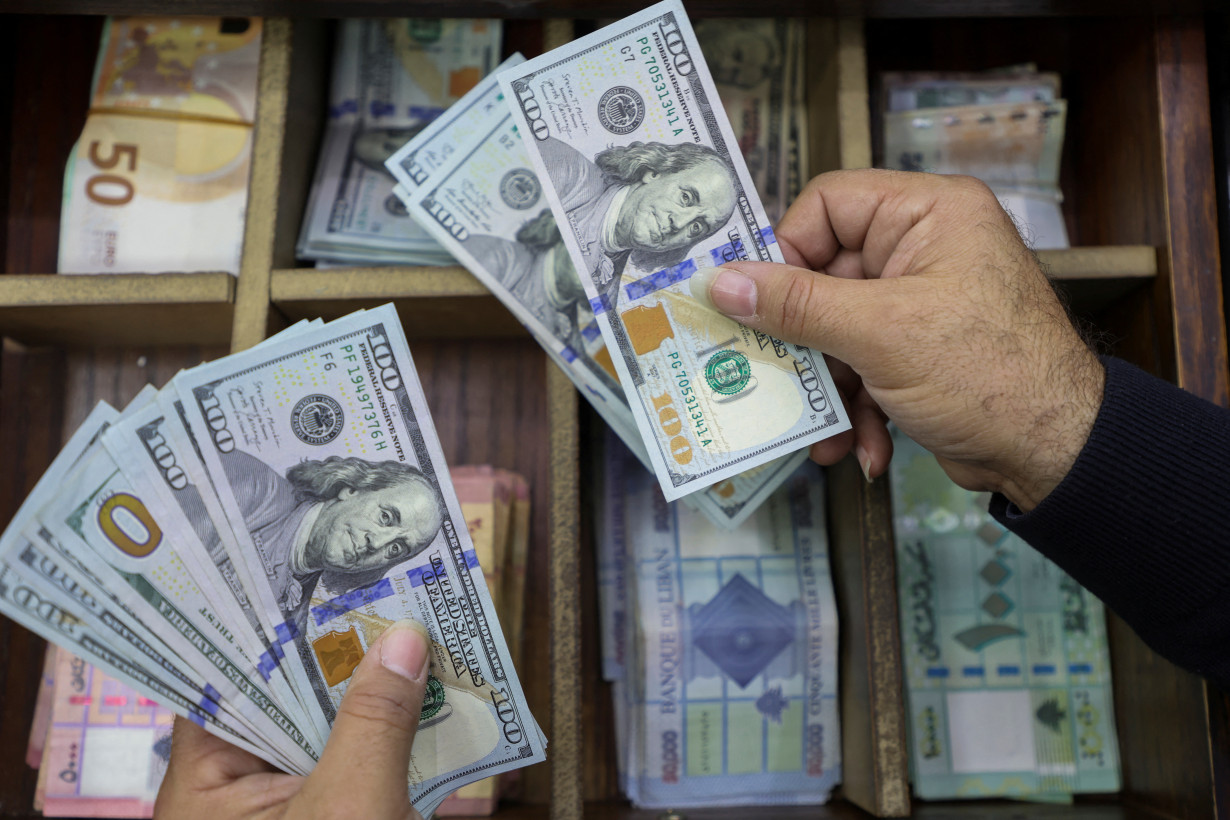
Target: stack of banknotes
pixel 1005 127
pixel 721 646
pixel 1005 657
pixel 390 79
pixel 230 545
pixel 158 180
pixel 100 747
pixel 590 236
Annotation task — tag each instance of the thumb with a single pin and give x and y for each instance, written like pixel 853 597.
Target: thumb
pixel 830 314
pixel 367 756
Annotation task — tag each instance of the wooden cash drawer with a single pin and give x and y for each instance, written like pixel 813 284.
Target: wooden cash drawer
pixel 1137 175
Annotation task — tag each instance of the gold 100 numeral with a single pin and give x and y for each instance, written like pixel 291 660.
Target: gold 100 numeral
pixel 117 530
pixel 115 189
pixel 672 425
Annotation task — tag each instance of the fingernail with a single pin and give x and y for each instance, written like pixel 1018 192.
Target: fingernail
pixel 726 291
pixel 864 461
pixel 403 650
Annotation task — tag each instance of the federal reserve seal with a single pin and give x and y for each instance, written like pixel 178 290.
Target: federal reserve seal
pixel 316 419
pixel 520 189
pixel 621 110
pixel 435 707
pixel 433 698
pixel 728 372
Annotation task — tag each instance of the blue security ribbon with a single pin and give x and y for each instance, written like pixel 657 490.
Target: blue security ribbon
pixel 323 613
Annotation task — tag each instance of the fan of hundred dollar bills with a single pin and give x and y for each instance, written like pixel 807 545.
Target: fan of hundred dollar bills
pixel 589 237
pixel 231 544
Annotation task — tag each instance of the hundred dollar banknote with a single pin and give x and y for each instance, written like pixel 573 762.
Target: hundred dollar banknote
pixel 1005 657
pixel 331 475
pixel 99 516
pixel 647 185
pixel 484 203
pixel 50 591
pixel 391 78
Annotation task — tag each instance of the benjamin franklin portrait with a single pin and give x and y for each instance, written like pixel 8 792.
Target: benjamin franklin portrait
pixel 538 272
pixel 341 523
pixel 645 204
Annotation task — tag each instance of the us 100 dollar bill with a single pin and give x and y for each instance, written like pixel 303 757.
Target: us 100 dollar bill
pixel 647 185
pixel 484 204
pixel 329 469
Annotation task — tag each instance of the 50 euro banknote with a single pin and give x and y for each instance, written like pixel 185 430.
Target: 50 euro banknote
pixel 647 185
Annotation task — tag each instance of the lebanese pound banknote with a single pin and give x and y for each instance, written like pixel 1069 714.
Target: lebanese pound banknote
pixel 391 78
pixel 730 677
pixel 906 91
pixel 1006 662
pixel 329 471
pixel 1004 144
pixel 108 746
pixel 647 186
pixel 185 67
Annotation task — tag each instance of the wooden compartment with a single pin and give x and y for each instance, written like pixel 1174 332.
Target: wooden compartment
pixel 1138 181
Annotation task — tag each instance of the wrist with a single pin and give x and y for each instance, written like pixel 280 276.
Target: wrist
pixel 1055 435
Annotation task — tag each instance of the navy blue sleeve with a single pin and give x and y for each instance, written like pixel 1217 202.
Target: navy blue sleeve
pixel 1140 520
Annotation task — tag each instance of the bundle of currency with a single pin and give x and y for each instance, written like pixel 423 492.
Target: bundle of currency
pixel 722 646
pixel 467 180
pixel 158 180
pixel 390 79
pixel 1004 127
pixel 103 748
pixel 646 184
pixel 231 545
pixel 758 69
pixel 481 191
pixel 1006 662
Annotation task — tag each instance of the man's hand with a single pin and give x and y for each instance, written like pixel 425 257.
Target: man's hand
pixel 939 319
pixel 362 772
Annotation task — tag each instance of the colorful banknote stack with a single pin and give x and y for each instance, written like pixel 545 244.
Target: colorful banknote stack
pixel 722 414
pixel 101 748
pixel 721 646
pixel 231 545
pixel 158 180
pixel 1005 127
pixel 390 79
pixel 1006 662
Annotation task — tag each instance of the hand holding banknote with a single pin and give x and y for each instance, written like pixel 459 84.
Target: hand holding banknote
pixel 362 772
pixel 921 285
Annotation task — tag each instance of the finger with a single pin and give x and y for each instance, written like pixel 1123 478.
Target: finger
pixel 368 753
pixel 867 210
pixel 852 320
pixel 873 445
pixel 209 760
